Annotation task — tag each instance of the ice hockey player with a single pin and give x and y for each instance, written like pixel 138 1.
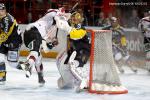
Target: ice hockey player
pixel 40 35
pixel 119 46
pixel 144 27
pixel 10 42
pixel 71 63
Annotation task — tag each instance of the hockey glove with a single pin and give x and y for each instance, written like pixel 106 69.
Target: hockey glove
pixel 52 44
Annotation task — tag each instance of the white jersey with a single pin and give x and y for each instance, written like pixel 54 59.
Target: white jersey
pixel 45 24
pixel 144 26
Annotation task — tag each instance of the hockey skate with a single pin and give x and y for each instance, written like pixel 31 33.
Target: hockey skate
pixel 27 68
pixel 41 79
pixel 19 65
pixel 2 81
pixel 121 69
pixel 134 70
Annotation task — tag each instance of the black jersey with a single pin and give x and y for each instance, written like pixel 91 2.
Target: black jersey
pixel 9 30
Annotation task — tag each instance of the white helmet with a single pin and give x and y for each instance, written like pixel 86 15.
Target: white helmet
pixel 113 19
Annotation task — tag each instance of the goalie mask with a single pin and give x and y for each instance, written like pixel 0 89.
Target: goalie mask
pixel 76 18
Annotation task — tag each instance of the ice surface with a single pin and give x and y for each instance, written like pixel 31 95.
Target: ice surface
pixel 18 87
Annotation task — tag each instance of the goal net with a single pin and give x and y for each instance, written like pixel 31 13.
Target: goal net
pixel 103 75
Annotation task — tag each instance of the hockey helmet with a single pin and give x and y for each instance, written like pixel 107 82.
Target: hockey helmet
pixel 76 18
pixel 2 6
pixel 113 19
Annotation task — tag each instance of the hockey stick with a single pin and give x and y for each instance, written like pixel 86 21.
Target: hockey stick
pixel 119 48
pixel 74 7
pixel 56 33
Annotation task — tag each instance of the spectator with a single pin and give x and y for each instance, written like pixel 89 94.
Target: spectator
pixel 29 17
pixel 145 13
pixel 101 21
pixel 110 15
pixel 133 20
pixel 84 18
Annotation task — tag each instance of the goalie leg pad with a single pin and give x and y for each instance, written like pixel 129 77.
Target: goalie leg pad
pixel 77 72
pixel 67 79
pixel 2 71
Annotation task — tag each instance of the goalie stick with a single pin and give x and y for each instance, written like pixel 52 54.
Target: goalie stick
pixel 74 7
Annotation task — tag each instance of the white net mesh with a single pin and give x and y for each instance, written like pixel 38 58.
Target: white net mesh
pixel 103 72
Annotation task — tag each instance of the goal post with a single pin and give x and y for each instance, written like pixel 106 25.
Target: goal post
pixel 103 75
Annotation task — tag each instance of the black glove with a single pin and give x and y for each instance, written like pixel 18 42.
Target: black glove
pixel 50 45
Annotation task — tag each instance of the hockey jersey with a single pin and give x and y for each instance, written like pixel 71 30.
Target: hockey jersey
pixel 44 24
pixel 118 36
pixel 9 32
pixel 144 26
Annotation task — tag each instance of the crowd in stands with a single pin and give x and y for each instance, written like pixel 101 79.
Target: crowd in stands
pixel 102 20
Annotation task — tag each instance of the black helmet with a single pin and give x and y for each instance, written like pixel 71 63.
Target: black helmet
pixel 2 6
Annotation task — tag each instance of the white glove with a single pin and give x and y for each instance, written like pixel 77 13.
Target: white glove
pixel 62 24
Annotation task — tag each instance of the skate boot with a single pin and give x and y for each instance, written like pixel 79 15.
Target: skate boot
pixel 27 68
pixel 19 65
pixel 135 70
pixel 41 78
pixel 2 82
pixel 121 70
